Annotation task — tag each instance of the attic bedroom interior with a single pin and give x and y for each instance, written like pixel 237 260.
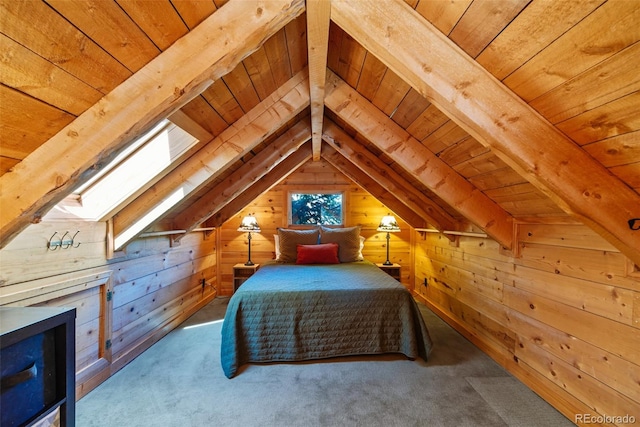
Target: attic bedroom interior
pixel 503 136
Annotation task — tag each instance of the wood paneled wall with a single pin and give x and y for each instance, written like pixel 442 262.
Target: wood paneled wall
pixel 123 305
pixel 270 209
pixel 563 316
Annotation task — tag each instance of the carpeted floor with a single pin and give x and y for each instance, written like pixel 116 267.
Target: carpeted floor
pixel 179 382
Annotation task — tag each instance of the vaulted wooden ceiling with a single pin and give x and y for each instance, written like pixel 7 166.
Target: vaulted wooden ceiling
pixel 450 112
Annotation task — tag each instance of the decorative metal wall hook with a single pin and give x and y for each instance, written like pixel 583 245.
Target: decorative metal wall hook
pixel 53 245
pixel 66 244
pixel 73 240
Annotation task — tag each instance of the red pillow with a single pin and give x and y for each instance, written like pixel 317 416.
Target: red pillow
pixel 326 253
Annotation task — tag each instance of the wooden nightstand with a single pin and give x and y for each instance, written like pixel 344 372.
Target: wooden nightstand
pixel 392 270
pixel 241 273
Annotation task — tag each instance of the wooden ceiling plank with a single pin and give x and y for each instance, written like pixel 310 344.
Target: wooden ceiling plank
pixel 390 93
pixel 193 12
pixel 318 18
pixel 609 29
pixel 42 30
pixel 462 151
pixel 210 162
pixel 496 117
pixel 111 28
pixel 335 41
pixel 190 126
pixel 243 178
pixel 296 34
pixel 241 86
pixel 380 172
pixel 270 180
pixel 222 100
pixel 617 151
pixel 22 133
pixel 607 121
pixel 444 15
pixel 373 187
pixel 428 122
pixel 259 70
pixel 484 163
pixel 410 108
pixel 351 60
pixel 537 26
pixel 496 178
pixel 158 19
pixel 211 50
pixel 414 157
pixel 27 72
pixel 278 56
pixel 482 22
pixel 206 117
pixel 611 79
pixel 373 71
pixel 629 173
pixel 445 136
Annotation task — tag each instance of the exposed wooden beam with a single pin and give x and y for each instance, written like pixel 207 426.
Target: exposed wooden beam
pixel 418 160
pixel 189 125
pixel 208 163
pixel 243 178
pixel 318 19
pixel 376 189
pixel 271 179
pixel 495 116
pixel 174 77
pixel 379 171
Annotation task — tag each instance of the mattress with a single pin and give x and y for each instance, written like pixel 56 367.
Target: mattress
pixel 288 312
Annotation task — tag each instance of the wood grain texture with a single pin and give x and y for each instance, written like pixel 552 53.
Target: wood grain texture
pixel 376 169
pixel 109 125
pixel 497 118
pixel 243 178
pixel 318 18
pixel 418 160
pixel 263 120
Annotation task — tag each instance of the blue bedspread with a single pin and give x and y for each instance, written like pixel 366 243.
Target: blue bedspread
pixel 288 312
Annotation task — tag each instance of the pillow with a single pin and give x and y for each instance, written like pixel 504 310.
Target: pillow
pixel 288 241
pixel 318 254
pixel 276 241
pixel 347 238
pixel 360 256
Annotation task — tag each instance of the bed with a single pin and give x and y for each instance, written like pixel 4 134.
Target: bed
pixel 290 312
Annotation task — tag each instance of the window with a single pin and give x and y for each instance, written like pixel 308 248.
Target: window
pixel 315 208
pixel 131 172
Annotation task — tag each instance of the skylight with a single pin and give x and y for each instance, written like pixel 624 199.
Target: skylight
pixel 131 172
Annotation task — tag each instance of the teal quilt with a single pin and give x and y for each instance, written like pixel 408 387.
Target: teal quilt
pixel 288 312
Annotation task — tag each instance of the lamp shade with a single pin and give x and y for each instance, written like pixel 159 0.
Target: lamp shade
pixel 249 224
pixel 389 224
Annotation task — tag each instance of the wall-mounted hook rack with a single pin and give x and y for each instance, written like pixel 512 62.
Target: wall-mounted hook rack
pixel 53 244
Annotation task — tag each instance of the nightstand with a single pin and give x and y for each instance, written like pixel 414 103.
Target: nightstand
pixel 392 270
pixel 241 273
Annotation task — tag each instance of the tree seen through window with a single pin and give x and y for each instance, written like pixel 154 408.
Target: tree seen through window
pixel 313 209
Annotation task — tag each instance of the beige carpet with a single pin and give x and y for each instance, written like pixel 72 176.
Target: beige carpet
pixel 179 382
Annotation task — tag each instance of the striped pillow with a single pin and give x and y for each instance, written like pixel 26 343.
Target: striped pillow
pixel 348 240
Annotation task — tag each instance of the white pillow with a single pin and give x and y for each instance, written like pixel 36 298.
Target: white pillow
pixel 360 256
pixel 276 240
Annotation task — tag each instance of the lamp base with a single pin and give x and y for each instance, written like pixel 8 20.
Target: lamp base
pixel 249 263
pixel 387 262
